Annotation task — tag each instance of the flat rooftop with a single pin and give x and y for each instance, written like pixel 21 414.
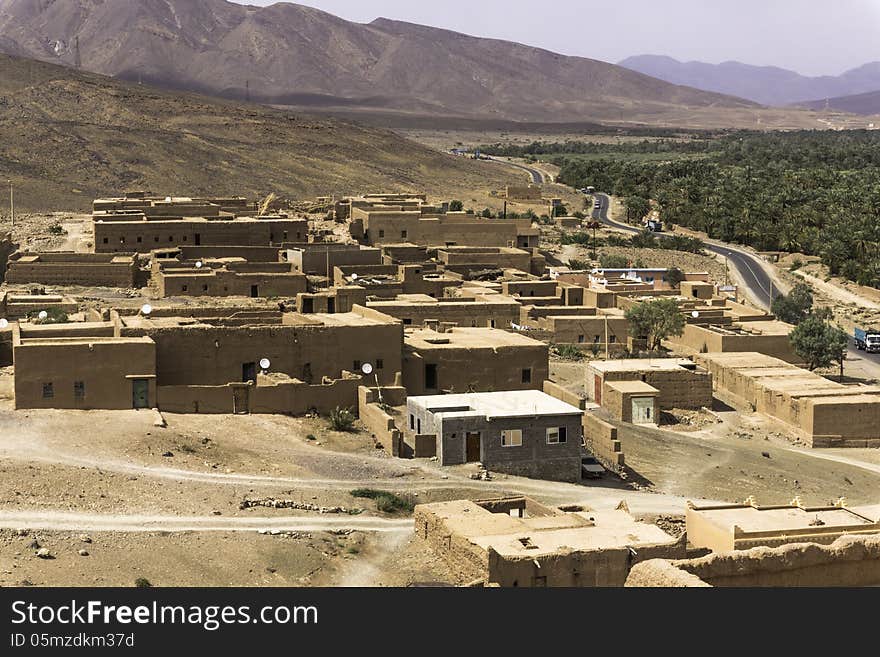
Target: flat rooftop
pixel 633 387
pixel 510 403
pixel 545 535
pixel 467 338
pixel 768 519
pixel 642 365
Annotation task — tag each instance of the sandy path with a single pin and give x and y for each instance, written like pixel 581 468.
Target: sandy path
pixel 836 292
pixel 99 522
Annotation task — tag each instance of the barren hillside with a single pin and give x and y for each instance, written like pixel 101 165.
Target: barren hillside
pixel 69 136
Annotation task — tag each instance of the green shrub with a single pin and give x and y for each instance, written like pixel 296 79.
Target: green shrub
pixel 142 583
pixel 386 502
pixel 568 352
pixel 342 419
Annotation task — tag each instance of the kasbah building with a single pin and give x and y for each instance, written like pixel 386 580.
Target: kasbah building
pixel 437 329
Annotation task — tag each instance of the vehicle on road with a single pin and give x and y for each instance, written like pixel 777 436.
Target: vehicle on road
pixel 597 204
pixel 591 468
pixel 654 225
pixel 868 340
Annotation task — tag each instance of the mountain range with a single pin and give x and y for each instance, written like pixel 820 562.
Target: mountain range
pixel 768 85
pixel 287 54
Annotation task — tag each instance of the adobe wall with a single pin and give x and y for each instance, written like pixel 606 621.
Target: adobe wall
pixel 678 388
pixel 377 421
pixel 320 259
pixel 249 253
pixel 477 370
pixel 283 397
pixel 608 567
pixel 105 368
pixel 207 355
pixel 589 331
pixel 849 561
pixel 699 339
pixel 71 269
pixel 465 559
pixel 413 227
pixel 220 283
pixel 463 313
pixel 600 438
pixel 144 236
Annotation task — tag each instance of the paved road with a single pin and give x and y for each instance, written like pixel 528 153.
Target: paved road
pixel 749 266
pixel 537 176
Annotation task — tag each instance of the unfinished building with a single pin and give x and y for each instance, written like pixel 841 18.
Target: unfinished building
pixel 517 542
pixel 522 432
pixel 823 413
pixel 62 268
pixel 444 360
pixel 768 337
pixel 728 527
pixel 679 382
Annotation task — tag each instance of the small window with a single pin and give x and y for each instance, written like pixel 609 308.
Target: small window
pixel 204 288
pixel 48 391
pixel 106 241
pixel 581 338
pixel 171 238
pixel 156 239
pixel 122 240
pixel 412 421
pixel 403 234
pixel 184 238
pixel 612 339
pixel 285 235
pixel 597 338
pixel 527 375
pixel 511 438
pixel 407 321
pixel 381 233
pixel 380 364
pixel 140 239
pixel 356 367
pixel 556 435
pixel 184 288
pixel 79 389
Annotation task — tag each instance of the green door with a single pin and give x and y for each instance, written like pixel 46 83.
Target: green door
pixel 140 393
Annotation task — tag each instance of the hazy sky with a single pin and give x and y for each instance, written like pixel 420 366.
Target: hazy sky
pixel 813 37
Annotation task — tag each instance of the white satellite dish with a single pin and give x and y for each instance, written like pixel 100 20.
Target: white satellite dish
pixel 168 199
pixel 695 314
pixel 367 369
pixel 4 323
pixel 146 309
pixel 199 264
pixel 265 363
pixel 354 277
pixel 43 314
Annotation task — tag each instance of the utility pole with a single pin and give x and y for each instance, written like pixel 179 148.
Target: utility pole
pixel 607 338
pixel 78 60
pixel 12 203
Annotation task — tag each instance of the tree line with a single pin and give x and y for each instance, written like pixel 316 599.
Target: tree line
pixel 811 192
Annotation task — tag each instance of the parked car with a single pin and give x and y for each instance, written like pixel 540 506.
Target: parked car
pixel 591 468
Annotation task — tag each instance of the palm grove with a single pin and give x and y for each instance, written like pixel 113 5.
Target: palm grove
pixel 815 192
